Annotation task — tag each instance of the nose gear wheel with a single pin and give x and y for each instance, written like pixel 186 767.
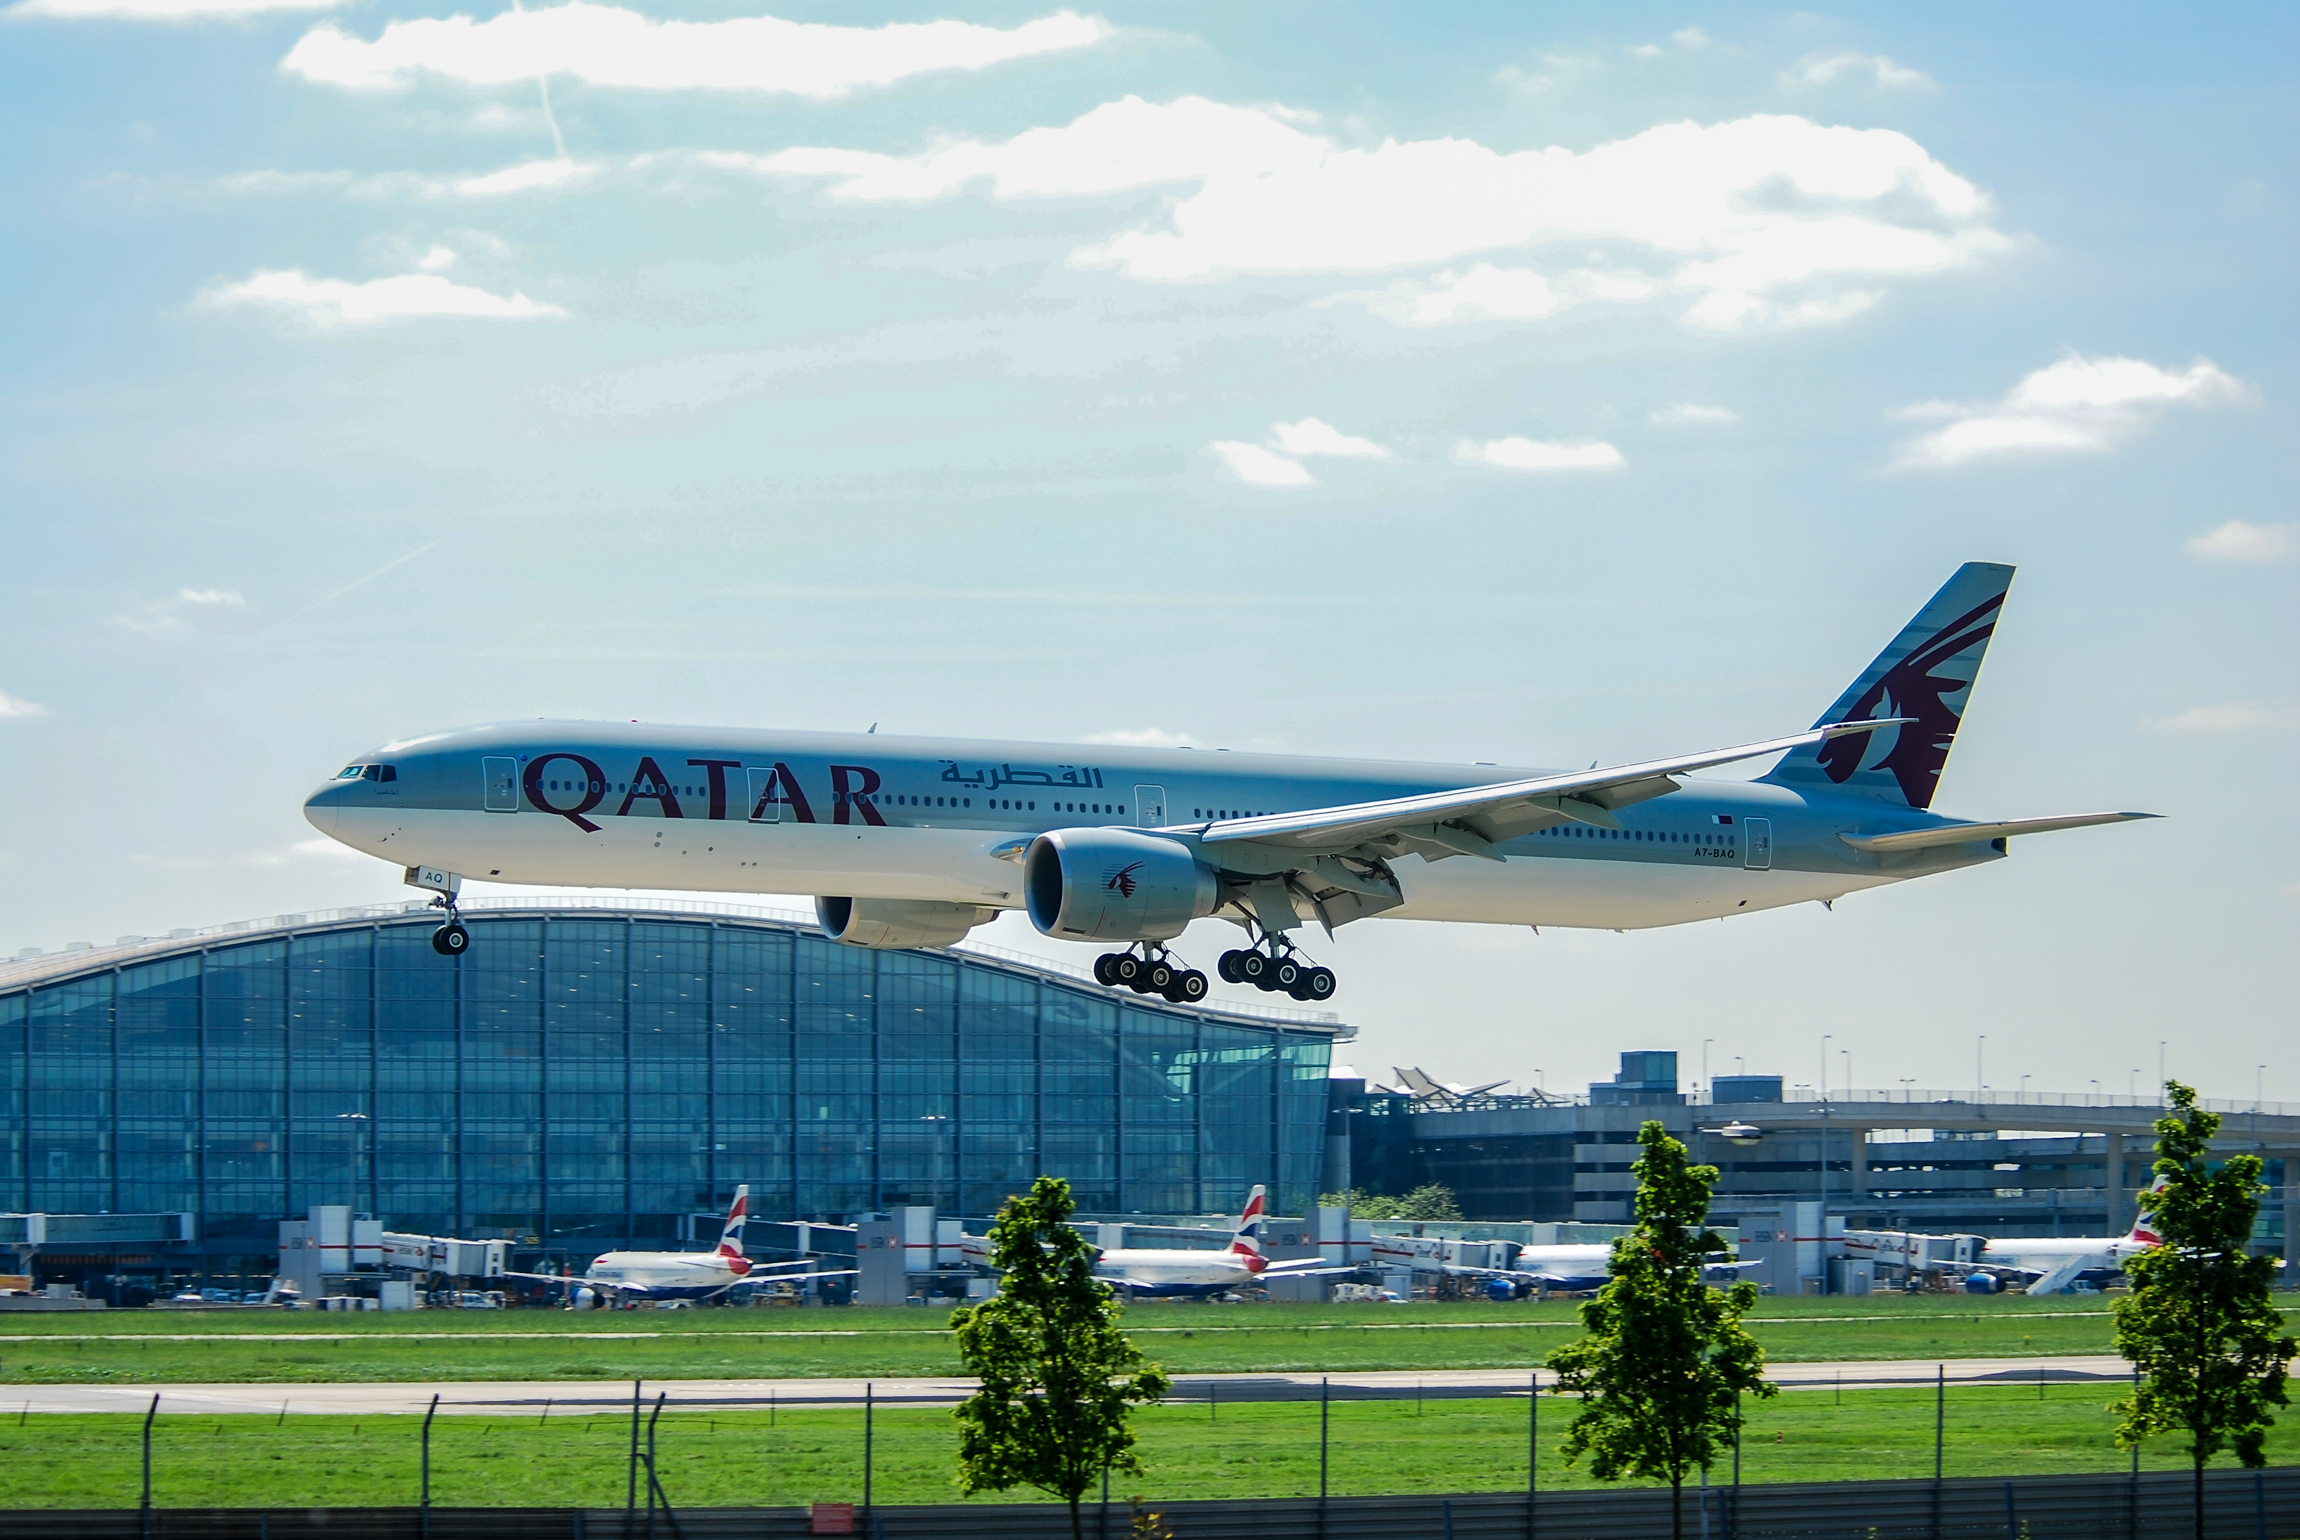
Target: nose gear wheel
pixel 451 939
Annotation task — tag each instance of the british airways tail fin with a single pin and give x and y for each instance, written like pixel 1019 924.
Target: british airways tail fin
pixel 1247 1240
pixel 1926 674
pixel 731 1236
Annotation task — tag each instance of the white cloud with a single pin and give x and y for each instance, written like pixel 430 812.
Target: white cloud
pixel 605 45
pixel 160 10
pixel 1820 69
pixel 437 260
pixel 1691 37
pixel 1689 414
pixel 2233 717
pixel 166 615
pixel 1258 467
pixel 317 849
pixel 332 302
pixel 217 596
pixel 1145 738
pixel 1525 454
pixel 11 706
pixel 1758 219
pixel 2239 541
pixel 559 174
pixel 2079 405
pixel 1312 437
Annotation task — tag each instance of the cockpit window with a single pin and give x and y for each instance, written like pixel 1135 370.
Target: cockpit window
pixel 350 772
pixel 390 772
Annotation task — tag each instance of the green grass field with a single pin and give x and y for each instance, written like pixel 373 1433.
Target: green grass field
pixel 133 1347
pixel 745 1459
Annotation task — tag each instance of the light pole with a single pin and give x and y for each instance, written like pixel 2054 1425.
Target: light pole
pixel 1705 1042
pixel 1825 1065
pixel 2021 1094
pixel 353 1119
pixel 1907 1081
pixel 2160 1072
pixel 1847 1055
pixel 934 1120
pixel 1980 1074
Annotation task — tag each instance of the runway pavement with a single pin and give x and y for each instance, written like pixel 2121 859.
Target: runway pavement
pixel 548 1398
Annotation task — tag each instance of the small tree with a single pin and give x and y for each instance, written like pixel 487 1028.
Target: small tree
pixel 1433 1201
pixel 1056 1371
pixel 2198 1324
pixel 1666 1358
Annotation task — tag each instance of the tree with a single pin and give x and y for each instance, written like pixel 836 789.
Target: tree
pixel 1666 1359
pixel 1434 1202
pixel 1056 1371
pixel 2198 1324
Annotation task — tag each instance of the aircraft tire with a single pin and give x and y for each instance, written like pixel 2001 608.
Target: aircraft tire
pixel 1285 973
pixel 1189 987
pixel 1125 968
pixel 1318 984
pixel 450 939
pixel 1228 967
pixel 1160 975
pixel 1253 968
pixel 1105 968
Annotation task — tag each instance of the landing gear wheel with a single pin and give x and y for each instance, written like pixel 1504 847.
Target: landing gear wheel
pixel 1189 988
pixel 1231 967
pixel 450 939
pixel 1285 973
pixel 1253 968
pixel 1159 975
pixel 1318 984
pixel 1125 968
pixel 1106 968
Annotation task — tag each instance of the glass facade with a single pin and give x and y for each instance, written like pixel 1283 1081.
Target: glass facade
pixel 581 1079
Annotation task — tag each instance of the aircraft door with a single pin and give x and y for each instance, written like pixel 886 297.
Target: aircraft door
pixel 501 780
pixel 1149 806
pixel 764 807
pixel 1757 844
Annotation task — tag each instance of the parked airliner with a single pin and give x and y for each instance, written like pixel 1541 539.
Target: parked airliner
pixel 1176 1271
pixel 912 842
pixel 615 1277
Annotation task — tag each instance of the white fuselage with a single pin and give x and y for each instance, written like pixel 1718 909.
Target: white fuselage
pixel 1153 1270
pixel 664 1274
pixel 945 820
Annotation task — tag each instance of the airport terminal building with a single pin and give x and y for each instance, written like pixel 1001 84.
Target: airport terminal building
pixel 589 1075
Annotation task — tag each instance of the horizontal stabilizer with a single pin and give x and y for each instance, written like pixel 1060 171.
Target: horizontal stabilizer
pixel 1967 833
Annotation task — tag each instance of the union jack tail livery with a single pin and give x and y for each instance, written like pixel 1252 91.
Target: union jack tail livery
pixel 1247 1242
pixel 731 1238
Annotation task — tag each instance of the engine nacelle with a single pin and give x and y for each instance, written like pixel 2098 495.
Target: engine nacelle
pixel 884 924
pixel 1114 885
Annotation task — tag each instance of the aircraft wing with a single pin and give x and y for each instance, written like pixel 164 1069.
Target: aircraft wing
pixel 1967 833
pixel 1473 819
pixel 2058 1280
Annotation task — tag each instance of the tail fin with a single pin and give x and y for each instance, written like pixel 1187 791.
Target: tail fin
pixel 731 1237
pixel 1927 673
pixel 2141 1234
pixel 1247 1240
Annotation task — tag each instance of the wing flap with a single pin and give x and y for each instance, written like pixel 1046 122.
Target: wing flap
pixel 1586 796
pixel 1968 833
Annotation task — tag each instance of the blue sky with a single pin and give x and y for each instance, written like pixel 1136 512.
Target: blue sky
pixel 1488 383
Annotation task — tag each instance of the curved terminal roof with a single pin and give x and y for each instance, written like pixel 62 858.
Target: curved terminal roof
pixel 33 968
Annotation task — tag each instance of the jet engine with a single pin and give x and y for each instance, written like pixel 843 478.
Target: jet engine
pixel 888 923
pixel 1114 885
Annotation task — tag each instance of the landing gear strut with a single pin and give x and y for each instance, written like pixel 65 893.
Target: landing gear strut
pixel 1278 969
pixel 1153 972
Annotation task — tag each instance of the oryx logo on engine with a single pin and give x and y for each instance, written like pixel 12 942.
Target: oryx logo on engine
pixel 1121 882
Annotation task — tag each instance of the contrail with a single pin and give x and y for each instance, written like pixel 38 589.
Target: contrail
pixel 327 599
pixel 543 84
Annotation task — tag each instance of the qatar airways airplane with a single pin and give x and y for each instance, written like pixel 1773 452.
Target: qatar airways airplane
pixel 912 842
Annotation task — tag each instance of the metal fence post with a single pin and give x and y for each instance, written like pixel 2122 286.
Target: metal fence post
pixel 2012 1529
pixel 424 1522
pixel 1940 1435
pixel 631 1485
pixel 144 1509
pixel 870 1404
pixel 2133 1506
pixel 1532 1451
pixel 1325 1400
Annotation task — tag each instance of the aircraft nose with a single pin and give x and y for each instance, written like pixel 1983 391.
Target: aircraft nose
pixel 319 810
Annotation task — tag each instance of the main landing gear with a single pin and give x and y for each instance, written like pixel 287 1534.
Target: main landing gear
pixel 1153 972
pixel 1280 971
pixel 451 939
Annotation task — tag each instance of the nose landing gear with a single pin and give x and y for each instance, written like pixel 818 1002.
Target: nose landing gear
pixel 451 939
pixel 1279 970
pixel 1153 972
